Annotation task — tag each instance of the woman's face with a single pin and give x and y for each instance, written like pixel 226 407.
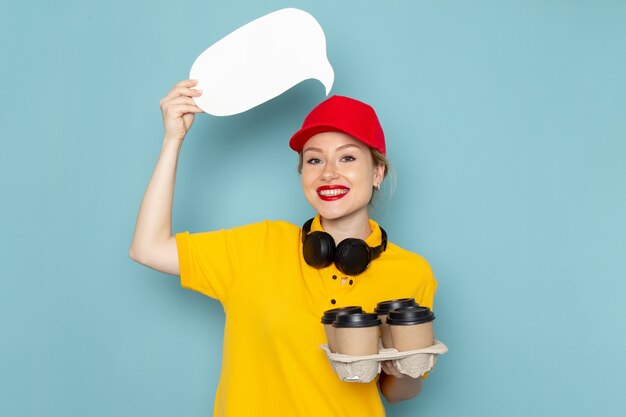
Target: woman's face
pixel 338 175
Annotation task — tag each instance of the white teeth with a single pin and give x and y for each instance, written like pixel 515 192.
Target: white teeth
pixel 330 193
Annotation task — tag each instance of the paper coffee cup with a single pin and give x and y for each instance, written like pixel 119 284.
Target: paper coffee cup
pixel 357 334
pixel 411 328
pixel 382 309
pixel 329 317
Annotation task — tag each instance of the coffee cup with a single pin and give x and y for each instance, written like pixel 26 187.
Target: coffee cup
pixel 357 334
pixel 411 328
pixel 382 309
pixel 329 317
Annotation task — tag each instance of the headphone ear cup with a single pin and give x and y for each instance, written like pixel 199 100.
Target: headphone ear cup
pixel 352 256
pixel 318 249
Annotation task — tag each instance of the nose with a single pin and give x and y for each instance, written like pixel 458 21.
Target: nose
pixel 330 171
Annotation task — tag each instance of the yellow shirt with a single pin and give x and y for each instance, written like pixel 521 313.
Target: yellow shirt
pixel 272 362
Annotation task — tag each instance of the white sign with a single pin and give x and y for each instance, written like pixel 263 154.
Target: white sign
pixel 260 61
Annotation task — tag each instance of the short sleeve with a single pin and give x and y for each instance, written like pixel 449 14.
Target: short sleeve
pixel 210 262
pixel 425 294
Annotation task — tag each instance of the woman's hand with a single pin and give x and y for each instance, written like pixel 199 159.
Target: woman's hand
pixel 396 386
pixel 390 369
pixel 153 244
pixel 179 109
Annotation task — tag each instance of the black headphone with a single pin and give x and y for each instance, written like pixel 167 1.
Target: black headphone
pixel 352 256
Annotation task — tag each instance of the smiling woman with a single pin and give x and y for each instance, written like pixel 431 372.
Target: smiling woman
pixel 338 176
pixel 287 275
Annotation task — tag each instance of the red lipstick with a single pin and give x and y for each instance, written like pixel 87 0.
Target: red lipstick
pixel 332 192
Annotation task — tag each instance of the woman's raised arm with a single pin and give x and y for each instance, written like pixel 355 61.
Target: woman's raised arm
pixel 153 244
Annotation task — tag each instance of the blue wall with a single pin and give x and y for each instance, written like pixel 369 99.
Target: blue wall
pixel 506 123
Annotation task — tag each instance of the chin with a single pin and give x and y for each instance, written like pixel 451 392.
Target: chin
pixel 330 216
pixel 335 211
pixel 327 214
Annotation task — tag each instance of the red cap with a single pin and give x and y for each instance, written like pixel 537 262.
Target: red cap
pixel 342 114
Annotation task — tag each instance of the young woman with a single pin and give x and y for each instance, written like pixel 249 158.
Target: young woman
pixel 275 279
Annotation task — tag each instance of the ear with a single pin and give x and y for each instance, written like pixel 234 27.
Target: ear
pixel 379 173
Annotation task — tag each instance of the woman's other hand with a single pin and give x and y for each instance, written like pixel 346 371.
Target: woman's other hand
pixel 390 369
pixel 396 386
pixel 179 109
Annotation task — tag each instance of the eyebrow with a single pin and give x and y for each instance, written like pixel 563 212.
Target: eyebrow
pixel 347 145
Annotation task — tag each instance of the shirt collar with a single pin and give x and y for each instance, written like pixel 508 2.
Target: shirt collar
pixel 374 239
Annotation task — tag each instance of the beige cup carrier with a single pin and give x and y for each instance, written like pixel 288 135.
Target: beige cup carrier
pixel 413 363
pixel 353 368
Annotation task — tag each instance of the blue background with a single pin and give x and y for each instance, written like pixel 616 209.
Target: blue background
pixel 506 125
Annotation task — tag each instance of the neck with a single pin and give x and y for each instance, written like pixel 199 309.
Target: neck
pixel 354 226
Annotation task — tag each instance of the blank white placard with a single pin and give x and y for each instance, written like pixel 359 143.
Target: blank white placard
pixel 260 61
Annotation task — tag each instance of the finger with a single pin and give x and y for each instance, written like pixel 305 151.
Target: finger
pixel 185 108
pixel 172 106
pixel 392 370
pixel 383 365
pixel 174 112
pixel 181 84
pixel 186 83
pixel 180 100
pixel 181 91
pixel 396 371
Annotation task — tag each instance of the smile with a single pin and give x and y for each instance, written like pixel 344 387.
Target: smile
pixel 330 193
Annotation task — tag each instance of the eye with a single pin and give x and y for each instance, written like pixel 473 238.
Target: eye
pixel 348 158
pixel 313 161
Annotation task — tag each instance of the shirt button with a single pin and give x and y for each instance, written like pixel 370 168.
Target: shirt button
pixel 334 276
pixel 350 282
pixel 333 301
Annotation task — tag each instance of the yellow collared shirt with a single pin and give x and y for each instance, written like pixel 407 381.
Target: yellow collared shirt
pixel 272 362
